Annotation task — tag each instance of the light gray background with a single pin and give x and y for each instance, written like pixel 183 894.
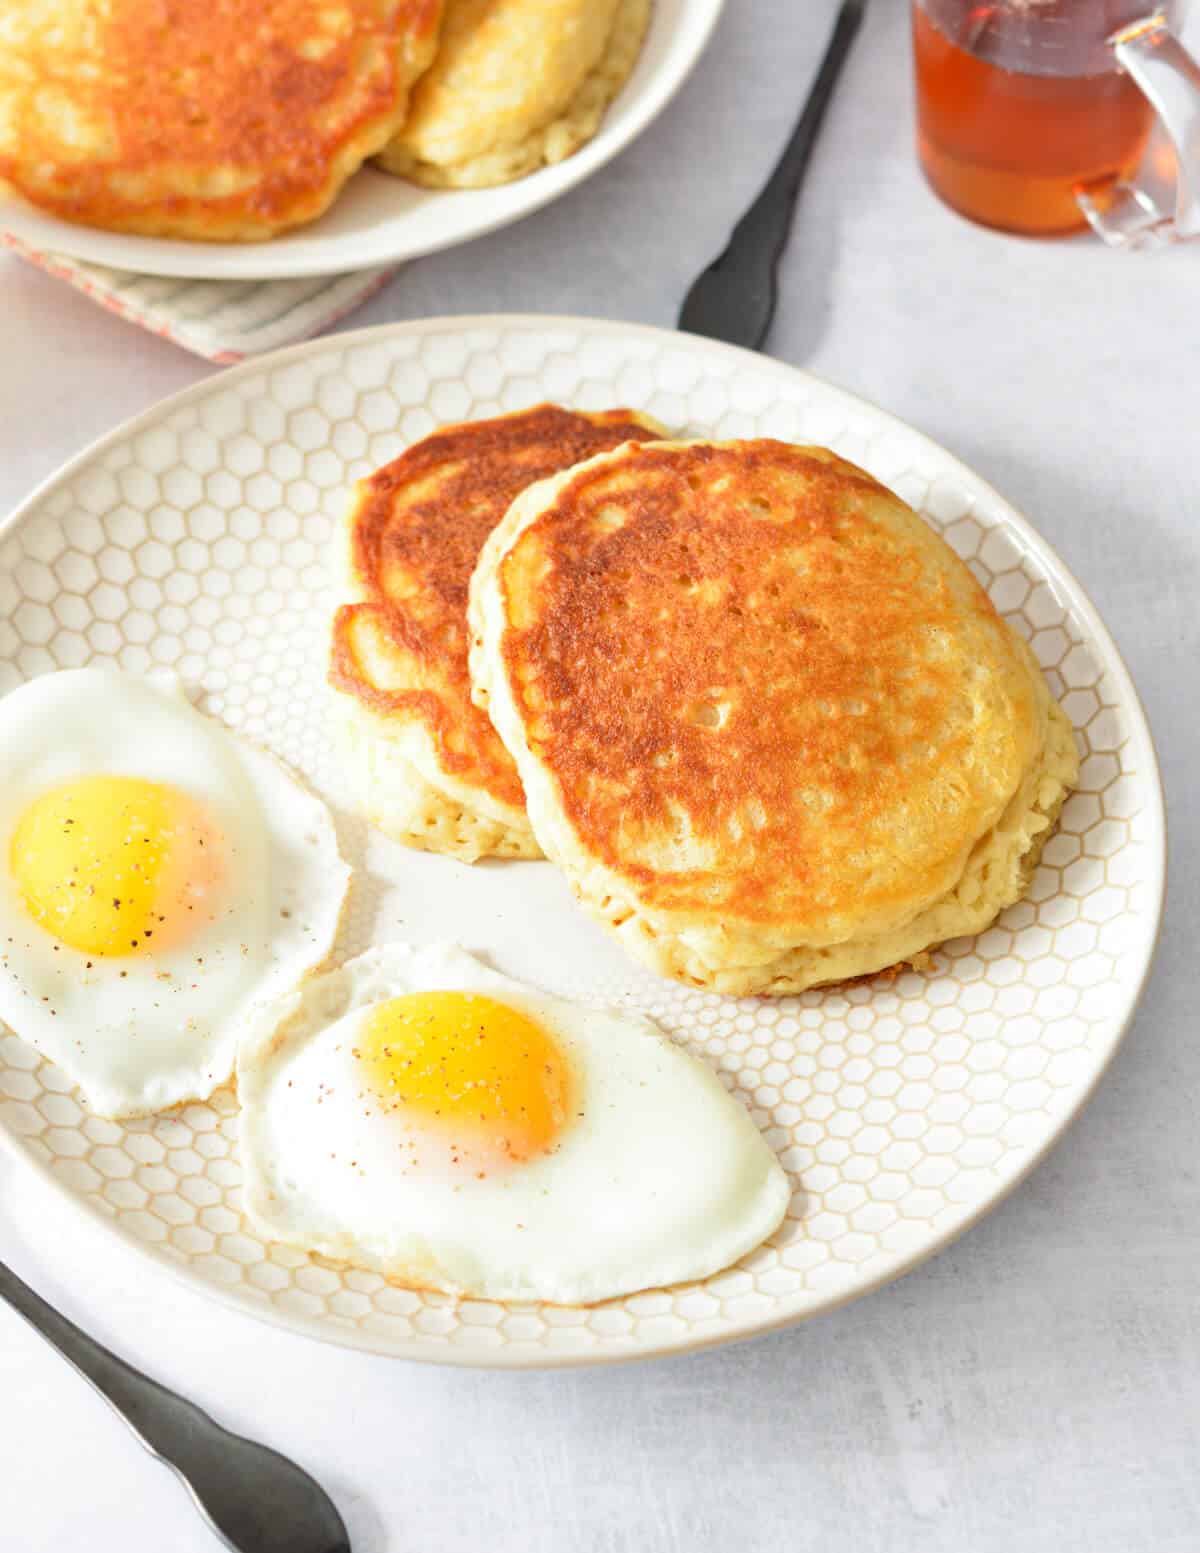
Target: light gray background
pixel 1036 1386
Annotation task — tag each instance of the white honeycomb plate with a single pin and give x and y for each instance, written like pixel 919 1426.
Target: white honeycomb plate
pixel 194 539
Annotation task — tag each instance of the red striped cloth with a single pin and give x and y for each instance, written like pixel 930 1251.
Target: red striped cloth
pixel 222 320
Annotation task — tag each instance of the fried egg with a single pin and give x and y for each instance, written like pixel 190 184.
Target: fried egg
pixel 158 879
pixel 419 1114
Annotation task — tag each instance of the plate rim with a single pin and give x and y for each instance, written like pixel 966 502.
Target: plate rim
pixel 202 261
pixel 627 1349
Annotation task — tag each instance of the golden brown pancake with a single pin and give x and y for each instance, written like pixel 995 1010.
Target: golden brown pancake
pixel 427 763
pixel 214 119
pixel 515 84
pixel 766 720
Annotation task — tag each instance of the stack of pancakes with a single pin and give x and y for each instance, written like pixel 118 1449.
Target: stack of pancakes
pixel 429 767
pixel 763 718
pixel 234 120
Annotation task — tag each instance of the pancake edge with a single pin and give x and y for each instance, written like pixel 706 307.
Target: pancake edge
pixel 550 143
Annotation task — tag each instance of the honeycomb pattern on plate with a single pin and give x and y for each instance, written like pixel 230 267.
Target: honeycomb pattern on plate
pixel 194 542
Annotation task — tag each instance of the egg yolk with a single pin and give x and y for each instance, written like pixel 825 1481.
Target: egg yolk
pixel 113 865
pixel 478 1072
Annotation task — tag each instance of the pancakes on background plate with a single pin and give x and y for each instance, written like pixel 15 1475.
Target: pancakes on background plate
pixel 225 120
pixel 515 84
pixel 425 763
pixel 766 720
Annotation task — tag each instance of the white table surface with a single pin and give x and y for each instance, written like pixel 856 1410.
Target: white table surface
pixel 1037 1386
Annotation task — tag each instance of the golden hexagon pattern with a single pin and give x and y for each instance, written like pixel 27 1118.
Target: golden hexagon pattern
pixel 196 541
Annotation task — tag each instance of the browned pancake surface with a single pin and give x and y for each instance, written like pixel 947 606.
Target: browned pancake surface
pixel 416 531
pixel 764 690
pixel 203 118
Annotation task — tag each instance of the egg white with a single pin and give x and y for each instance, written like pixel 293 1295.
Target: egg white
pixel 661 1177
pixel 142 1032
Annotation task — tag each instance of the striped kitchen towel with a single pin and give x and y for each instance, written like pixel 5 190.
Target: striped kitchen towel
pixel 223 320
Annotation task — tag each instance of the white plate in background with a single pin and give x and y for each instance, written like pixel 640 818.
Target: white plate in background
pixel 379 219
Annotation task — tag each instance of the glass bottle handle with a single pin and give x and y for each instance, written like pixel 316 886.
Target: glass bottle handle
pixel 1123 214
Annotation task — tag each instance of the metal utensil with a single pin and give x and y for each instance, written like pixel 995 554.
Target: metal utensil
pixel 734 298
pixel 256 1500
